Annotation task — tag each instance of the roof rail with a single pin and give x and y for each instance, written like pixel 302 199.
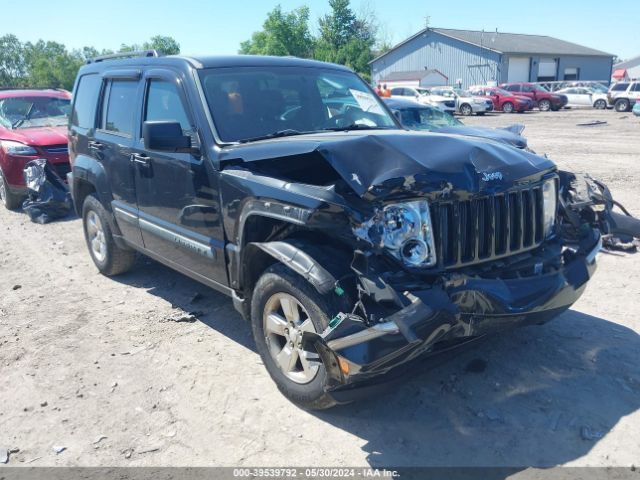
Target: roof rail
pixel 113 56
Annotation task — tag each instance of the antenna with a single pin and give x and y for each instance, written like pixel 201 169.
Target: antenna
pixel 427 21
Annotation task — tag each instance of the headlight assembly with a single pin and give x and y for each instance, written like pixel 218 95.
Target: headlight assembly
pixel 17 148
pixel 404 229
pixel 549 206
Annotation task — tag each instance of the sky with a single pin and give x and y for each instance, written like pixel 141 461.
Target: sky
pixel 217 27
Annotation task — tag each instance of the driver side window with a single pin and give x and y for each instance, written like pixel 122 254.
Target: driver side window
pixel 163 103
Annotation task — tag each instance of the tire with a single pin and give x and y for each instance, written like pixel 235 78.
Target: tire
pixel 622 105
pixel 303 386
pixel 600 104
pixel 9 199
pixel 106 255
pixel 465 109
pixel 544 105
pixel 507 107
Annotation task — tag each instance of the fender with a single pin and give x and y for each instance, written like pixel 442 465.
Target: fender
pixel 300 262
pixel 90 170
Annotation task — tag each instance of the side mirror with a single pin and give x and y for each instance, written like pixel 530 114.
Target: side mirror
pixel 166 136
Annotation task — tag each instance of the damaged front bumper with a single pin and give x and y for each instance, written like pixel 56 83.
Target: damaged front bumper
pixel 459 309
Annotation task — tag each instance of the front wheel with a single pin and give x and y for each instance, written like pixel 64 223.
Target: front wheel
pixel 600 104
pixel 544 105
pixel 466 109
pixel 507 107
pixel 283 307
pixel 105 253
pixel 10 200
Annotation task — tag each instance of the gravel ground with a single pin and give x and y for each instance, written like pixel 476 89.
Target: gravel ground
pixel 91 364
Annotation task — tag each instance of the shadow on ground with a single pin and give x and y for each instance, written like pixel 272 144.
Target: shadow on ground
pixel 537 396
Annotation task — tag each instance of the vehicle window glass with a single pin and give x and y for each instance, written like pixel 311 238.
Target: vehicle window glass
pixel 34 111
pixel 85 101
pixel 427 119
pixel 636 87
pixel 120 106
pixel 164 103
pixel 513 88
pixel 527 88
pixel 397 91
pixel 619 87
pixel 250 102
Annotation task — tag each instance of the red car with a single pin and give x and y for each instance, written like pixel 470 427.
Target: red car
pixel 33 124
pixel 543 98
pixel 502 100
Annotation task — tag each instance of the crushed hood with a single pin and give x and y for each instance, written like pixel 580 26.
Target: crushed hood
pixel 375 164
pixel 498 134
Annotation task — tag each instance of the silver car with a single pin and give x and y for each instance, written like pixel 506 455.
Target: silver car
pixel 466 103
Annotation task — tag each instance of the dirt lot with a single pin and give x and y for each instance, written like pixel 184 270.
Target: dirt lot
pixel 91 364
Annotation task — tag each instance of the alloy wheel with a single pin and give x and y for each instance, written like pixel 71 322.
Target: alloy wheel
pixel 95 234
pixel 285 320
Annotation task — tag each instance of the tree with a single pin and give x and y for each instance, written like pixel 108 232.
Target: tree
pixel 13 68
pixel 347 38
pixel 283 33
pixel 163 44
pixel 49 64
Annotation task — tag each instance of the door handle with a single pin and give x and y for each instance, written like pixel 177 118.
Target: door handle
pixel 97 146
pixel 143 160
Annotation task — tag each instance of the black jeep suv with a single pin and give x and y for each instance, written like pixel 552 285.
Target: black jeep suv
pixel 352 245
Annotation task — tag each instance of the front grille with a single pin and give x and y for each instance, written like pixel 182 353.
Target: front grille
pixel 486 228
pixel 56 149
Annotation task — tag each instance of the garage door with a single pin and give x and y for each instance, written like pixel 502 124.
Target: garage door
pixel 518 69
pixel 547 70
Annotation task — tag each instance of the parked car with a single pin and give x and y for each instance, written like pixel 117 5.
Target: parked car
pixel 542 98
pixel 33 124
pixel 424 95
pixel 466 103
pixel 416 116
pixel 502 100
pixel 623 95
pixel 352 245
pixel 584 97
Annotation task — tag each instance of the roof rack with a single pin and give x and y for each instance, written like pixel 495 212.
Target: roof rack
pixel 113 56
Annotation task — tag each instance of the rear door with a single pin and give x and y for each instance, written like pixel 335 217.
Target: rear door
pixel 113 144
pixel 177 193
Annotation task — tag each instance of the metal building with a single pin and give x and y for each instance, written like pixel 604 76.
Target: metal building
pixel 468 57
pixel 627 70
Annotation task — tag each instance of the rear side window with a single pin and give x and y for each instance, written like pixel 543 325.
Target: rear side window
pixel 85 101
pixel 635 87
pixel 513 88
pixel 119 107
pixel 164 103
pixel 618 87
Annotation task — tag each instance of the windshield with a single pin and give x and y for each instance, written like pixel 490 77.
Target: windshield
pixel 423 91
pixel 501 91
pixel 426 119
pixel 250 103
pixel 540 88
pixel 443 92
pixel 30 112
pixel 462 93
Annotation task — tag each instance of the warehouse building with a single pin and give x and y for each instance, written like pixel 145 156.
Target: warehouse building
pixel 468 57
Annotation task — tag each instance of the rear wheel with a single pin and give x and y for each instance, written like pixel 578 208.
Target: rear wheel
pixel 544 105
pixel 9 199
pixel 465 109
pixel 622 105
pixel 283 307
pixel 600 104
pixel 106 255
pixel 507 107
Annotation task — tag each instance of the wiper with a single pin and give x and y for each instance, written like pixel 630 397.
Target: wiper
pixel 289 132
pixel 356 126
pixel 17 123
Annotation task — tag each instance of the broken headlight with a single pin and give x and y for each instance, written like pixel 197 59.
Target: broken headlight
pixel 404 229
pixel 549 206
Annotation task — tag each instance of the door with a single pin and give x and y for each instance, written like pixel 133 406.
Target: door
pixel 113 143
pixel 572 96
pixel 177 193
pixel 583 97
pixel 518 69
pixel 547 70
